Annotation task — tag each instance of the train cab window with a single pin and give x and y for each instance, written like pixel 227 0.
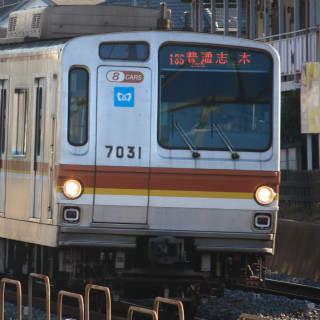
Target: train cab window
pixel 208 93
pixel 78 106
pixel 20 113
pixel 124 51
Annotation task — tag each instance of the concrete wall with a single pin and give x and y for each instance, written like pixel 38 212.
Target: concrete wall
pixel 297 250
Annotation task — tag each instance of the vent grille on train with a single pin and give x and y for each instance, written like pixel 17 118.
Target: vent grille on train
pixel 36 21
pixel 12 24
pixel 55 22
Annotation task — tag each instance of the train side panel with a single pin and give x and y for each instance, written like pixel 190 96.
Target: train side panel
pixel 27 204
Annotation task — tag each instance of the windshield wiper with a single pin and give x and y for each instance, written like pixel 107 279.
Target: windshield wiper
pixel 234 154
pixel 187 141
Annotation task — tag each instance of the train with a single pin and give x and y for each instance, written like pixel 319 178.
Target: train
pixel 135 156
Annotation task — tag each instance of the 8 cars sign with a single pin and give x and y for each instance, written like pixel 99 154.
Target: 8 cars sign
pixel 125 76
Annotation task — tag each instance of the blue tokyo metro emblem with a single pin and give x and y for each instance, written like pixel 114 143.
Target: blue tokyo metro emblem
pixel 123 96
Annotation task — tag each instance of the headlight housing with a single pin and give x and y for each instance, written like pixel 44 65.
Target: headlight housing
pixel 264 195
pixel 72 189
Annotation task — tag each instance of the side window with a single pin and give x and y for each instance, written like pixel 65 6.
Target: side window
pixel 78 106
pixel 20 113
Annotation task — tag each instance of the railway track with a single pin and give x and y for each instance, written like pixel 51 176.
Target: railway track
pixel 288 289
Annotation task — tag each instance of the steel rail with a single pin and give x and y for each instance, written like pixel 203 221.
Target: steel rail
pixel 284 288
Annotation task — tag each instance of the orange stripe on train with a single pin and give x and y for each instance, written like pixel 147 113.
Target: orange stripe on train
pixel 199 180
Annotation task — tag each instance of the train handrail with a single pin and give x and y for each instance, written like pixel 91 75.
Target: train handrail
pixel 87 300
pixel 19 297
pixel 178 303
pixel 141 310
pixel 63 293
pixel 48 296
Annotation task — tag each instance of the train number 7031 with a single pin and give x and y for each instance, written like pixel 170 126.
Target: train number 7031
pixel 120 152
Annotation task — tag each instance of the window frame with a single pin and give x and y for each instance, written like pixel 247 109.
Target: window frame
pixel 183 44
pixel 122 43
pixel 19 140
pixel 85 141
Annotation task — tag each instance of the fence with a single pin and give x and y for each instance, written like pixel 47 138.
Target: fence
pixel 296 48
pixel 84 313
pixel 300 186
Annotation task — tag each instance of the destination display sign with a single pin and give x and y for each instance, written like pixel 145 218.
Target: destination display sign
pixel 198 57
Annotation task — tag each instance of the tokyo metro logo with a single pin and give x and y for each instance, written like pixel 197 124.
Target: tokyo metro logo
pixel 124 97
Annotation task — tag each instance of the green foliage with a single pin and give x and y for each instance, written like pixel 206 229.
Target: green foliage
pixel 290 118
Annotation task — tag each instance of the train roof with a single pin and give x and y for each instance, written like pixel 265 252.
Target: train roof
pixel 41 45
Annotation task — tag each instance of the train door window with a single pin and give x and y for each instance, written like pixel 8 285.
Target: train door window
pixel 78 106
pixel 20 112
pixel 38 120
pixel 3 102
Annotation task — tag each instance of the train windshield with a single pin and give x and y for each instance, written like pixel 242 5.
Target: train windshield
pixel 209 93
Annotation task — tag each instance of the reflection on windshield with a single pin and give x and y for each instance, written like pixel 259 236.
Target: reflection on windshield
pixel 237 101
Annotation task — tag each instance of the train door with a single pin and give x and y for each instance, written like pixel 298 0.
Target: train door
pixel 3 142
pixel 38 162
pixel 123 145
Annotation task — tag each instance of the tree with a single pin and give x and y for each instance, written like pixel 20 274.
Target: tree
pixel 290 118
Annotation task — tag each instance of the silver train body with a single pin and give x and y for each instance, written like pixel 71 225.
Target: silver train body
pixel 119 163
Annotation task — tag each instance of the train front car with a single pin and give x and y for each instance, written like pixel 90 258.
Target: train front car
pixel 179 156
pixel 215 171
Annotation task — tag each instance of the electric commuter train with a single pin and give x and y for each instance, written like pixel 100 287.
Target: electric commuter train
pixel 135 155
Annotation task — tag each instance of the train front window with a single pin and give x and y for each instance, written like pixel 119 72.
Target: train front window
pixel 207 92
pixel 124 51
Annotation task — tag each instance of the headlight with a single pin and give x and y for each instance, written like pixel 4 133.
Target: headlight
pixel 265 195
pixel 72 189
